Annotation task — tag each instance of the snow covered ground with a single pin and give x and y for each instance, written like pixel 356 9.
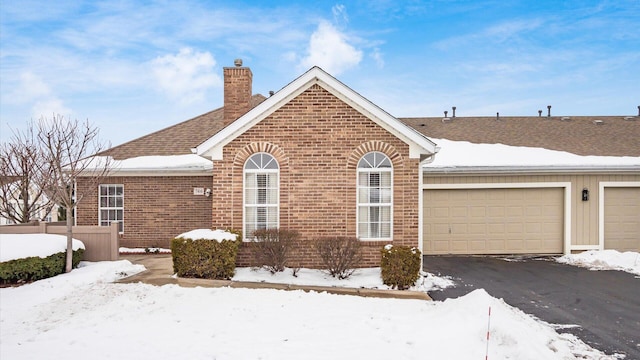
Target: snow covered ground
pixel 84 314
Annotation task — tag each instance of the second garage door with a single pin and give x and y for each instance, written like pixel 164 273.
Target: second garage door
pixel 493 221
pixel 622 218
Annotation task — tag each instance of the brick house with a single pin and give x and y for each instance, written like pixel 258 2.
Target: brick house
pixel 319 158
pixel 316 157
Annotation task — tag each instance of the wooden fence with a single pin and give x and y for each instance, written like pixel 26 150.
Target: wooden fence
pixel 101 242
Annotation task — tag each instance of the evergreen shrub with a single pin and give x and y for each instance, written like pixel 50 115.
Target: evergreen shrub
pixel 36 268
pixel 400 266
pixel 204 258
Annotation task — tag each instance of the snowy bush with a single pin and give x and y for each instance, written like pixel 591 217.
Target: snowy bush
pixel 400 266
pixel 340 255
pixel 36 268
pixel 272 248
pixel 204 258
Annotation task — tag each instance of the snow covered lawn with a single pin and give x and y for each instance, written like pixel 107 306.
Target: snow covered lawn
pixel 84 314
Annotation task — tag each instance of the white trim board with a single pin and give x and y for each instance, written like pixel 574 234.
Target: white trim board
pixel 601 187
pixel 565 185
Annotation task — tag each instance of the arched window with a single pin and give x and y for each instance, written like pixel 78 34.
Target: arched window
pixel 261 194
pixel 375 197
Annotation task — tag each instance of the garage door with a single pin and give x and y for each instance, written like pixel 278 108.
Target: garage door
pixel 622 219
pixel 493 221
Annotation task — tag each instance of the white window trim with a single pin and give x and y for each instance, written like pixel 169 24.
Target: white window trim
pixel 245 236
pixel 110 208
pixel 358 204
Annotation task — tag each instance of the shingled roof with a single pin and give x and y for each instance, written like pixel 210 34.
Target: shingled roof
pixel 582 135
pixel 178 139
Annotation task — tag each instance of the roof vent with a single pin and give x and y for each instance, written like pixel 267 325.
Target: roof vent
pixel 271 92
pixel 446 118
pixel 454 111
pixel 630 118
pixel 548 110
pixel 237 62
pixel 598 122
pixel 498 116
pixel 565 118
pixel 539 113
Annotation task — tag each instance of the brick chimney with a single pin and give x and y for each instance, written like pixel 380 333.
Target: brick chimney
pixel 237 91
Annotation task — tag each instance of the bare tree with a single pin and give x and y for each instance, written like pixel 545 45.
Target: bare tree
pixel 68 148
pixel 23 173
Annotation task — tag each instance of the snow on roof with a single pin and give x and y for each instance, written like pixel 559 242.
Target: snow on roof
pixel 208 234
pixel 19 246
pixel 183 163
pixel 466 154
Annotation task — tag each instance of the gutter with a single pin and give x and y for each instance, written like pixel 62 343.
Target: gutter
pixel 530 169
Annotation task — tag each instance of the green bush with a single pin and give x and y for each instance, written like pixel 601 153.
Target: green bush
pixel 272 247
pixel 400 266
pixel 340 255
pixel 202 258
pixel 36 268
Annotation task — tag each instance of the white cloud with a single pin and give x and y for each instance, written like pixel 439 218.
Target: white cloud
pixel 330 50
pixel 186 76
pixel 376 55
pixel 48 108
pixel 33 91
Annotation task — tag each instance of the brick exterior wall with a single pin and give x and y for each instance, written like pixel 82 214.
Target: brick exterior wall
pixel 237 92
pixel 317 140
pixel 155 208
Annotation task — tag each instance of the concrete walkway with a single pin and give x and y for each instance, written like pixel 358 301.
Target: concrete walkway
pixel 160 272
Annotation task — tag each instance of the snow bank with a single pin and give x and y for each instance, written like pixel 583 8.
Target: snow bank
pixel 367 278
pixel 605 260
pixel 464 153
pixel 19 246
pixel 208 234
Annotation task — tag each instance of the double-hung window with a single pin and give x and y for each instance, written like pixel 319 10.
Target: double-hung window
pixel 111 205
pixel 375 200
pixel 261 193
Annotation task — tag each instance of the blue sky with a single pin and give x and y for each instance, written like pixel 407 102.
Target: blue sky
pixel 133 67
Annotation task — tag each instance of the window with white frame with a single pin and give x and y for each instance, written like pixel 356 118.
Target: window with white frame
pixel 261 193
pixel 111 205
pixel 375 200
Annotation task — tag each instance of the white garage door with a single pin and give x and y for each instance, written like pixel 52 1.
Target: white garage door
pixel 493 221
pixel 622 218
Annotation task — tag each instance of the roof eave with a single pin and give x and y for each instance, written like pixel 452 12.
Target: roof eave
pixel 576 169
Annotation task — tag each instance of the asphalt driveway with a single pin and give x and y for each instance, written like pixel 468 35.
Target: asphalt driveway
pixel 605 304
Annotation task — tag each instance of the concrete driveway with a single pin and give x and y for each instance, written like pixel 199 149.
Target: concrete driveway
pixel 605 304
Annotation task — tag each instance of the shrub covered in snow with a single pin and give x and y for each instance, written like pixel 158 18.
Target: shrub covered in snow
pixel 340 255
pixel 34 268
pixel 400 266
pixel 272 247
pixel 211 255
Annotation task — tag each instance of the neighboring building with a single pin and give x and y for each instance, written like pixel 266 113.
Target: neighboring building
pixel 319 158
pixel 46 214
